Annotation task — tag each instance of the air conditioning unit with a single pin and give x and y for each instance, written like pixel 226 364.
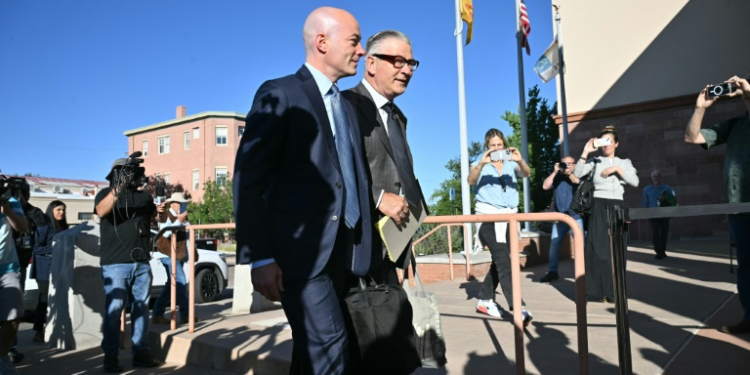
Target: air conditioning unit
pixel 58 189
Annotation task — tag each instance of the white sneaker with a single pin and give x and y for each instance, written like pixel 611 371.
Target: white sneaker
pixel 7 367
pixel 527 317
pixel 490 308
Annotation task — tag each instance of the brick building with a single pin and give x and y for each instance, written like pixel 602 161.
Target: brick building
pixel 190 149
pixel 639 66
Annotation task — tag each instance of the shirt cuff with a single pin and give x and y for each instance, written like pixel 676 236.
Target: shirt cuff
pixel 261 263
pixel 380 198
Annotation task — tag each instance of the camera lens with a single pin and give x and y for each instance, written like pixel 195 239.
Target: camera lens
pixel 717 90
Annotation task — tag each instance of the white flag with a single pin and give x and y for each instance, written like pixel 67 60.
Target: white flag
pixel 549 64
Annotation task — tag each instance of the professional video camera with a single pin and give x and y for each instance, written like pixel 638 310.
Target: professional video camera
pixel 130 174
pixel 10 187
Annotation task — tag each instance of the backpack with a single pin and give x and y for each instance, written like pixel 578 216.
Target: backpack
pixel 667 199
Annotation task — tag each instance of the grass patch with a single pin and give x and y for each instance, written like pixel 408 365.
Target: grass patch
pixel 232 247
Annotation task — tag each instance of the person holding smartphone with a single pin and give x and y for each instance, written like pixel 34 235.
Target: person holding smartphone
pixel 610 176
pixel 495 179
pixel 176 215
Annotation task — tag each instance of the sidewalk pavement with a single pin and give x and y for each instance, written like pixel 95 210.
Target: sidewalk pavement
pixel 675 306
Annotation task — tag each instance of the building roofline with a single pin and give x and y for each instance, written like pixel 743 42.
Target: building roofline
pixel 186 119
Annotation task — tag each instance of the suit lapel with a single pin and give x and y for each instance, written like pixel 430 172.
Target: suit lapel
pixel 372 114
pixel 310 88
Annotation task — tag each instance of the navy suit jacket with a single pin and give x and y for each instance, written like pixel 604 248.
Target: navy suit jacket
pixel 288 188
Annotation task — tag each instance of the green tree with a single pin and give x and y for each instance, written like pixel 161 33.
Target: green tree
pixel 217 206
pixel 543 145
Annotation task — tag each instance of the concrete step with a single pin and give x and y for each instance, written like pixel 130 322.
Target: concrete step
pixel 250 343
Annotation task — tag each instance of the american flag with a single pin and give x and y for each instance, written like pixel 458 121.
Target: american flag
pixel 525 26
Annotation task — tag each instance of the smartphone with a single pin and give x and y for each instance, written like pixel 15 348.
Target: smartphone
pixel 500 155
pixel 721 89
pixel 183 207
pixel 602 142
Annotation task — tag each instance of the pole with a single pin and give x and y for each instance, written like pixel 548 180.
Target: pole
pixel 522 110
pixel 465 193
pixel 617 217
pixel 564 107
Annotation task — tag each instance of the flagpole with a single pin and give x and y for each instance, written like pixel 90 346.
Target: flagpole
pixel 566 149
pixel 522 110
pixel 465 193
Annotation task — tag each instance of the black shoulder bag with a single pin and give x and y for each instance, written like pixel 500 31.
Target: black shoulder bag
pixel 583 198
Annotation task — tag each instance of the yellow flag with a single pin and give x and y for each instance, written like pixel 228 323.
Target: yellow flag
pixel 467 14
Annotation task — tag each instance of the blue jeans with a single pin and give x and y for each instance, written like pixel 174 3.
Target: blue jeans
pixel 559 231
pixel 166 293
pixel 126 282
pixel 739 226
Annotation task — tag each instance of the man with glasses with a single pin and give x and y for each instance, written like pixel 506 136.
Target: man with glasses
pixel 389 66
pixel 735 132
pixel 564 184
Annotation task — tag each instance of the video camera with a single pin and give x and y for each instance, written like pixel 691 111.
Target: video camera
pixel 10 187
pixel 130 175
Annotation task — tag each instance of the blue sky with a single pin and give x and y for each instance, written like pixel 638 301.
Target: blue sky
pixel 75 74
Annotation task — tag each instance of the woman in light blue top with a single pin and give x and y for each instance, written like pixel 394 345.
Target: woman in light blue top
pixel 611 175
pixel 496 192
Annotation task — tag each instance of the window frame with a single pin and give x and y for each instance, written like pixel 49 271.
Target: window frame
pixel 225 136
pixel 166 146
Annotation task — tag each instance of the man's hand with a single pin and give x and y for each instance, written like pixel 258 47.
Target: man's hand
pixel 182 217
pixel 161 207
pixel 743 88
pixel 5 207
pixel 394 206
pixel 267 281
pixel 702 102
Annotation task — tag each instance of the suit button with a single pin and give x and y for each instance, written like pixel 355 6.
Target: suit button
pixel 334 218
pixel 338 185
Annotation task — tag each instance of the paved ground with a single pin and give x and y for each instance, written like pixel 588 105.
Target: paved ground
pixel 675 306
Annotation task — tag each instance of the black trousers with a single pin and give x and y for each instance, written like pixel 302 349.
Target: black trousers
pixel 500 272
pixel 660 234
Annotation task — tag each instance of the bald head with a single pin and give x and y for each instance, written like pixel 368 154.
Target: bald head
pixel 331 38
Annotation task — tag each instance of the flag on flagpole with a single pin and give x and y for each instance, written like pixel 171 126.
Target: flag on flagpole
pixel 548 66
pixel 525 26
pixel 467 14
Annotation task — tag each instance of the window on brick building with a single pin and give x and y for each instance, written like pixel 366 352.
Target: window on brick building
pixel 186 140
pixel 241 131
pixel 164 145
pixel 196 180
pixel 145 148
pixel 221 136
pixel 221 177
pixel 167 178
pixel 196 133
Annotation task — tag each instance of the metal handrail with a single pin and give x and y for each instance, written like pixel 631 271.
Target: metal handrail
pixel 580 274
pixel 450 247
pixel 173 283
pixel 512 219
pixel 191 262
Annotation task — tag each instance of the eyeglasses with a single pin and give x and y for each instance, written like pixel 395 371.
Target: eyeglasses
pixel 398 61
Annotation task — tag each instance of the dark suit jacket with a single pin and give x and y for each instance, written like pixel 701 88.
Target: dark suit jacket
pixel 381 164
pixel 288 188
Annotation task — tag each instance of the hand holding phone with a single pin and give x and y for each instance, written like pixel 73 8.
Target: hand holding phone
pixel 721 89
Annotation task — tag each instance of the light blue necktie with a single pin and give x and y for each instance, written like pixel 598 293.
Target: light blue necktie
pixel 346 161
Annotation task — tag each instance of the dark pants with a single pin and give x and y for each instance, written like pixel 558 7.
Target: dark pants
pixel 598 252
pixel 739 226
pixel 500 272
pixel 660 234
pixel 317 314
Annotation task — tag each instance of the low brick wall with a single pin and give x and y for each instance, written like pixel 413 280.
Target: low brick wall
pixel 536 245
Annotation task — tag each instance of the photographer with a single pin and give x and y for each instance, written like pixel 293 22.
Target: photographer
pixel 11 297
pixel 126 213
pixel 564 184
pixel 735 132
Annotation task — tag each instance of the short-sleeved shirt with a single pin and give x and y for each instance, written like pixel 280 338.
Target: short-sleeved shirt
pixel 564 189
pixel 651 194
pixel 8 257
pixel 735 132
pixel 126 232
pixel 498 188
